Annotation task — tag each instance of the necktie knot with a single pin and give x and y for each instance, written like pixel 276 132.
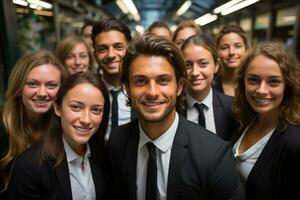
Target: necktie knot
pixel 151 148
pixel 201 118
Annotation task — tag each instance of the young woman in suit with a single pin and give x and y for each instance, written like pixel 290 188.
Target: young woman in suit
pixel 69 162
pixel 202 63
pixel 232 45
pixel 267 150
pixel 32 87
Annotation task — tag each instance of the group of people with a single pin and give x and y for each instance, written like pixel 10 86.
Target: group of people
pixel 173 116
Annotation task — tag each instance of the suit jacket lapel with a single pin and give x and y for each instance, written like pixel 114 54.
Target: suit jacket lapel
pixel 179 149
pixel 97 176
pixel 265 156
pixel 63 177
pixel 218 115
pixel 131 158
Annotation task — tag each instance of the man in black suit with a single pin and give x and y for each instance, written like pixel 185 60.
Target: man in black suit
pixel 162 155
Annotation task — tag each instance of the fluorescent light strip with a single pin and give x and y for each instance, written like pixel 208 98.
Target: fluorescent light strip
pixel 131 7
pixel 226 5
pixel 40 3
pixel 238 6
pixel 122 6
pixel 206 18
pixel 20 2
pixel 184 8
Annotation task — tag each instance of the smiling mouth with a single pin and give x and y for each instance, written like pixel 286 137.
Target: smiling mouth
pixel 39 101
pixel 262 101
pixel 82 130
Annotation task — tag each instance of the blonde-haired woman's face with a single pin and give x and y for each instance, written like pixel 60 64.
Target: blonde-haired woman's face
pixel 40 89
pixel 78 59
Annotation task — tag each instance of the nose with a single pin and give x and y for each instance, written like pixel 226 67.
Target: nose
pixel 85 117
pixel 152 90
pixel 262 88
pixel 231 50
pixel 195 70
pixel 42 91
pixel 77 60
pixel 111 52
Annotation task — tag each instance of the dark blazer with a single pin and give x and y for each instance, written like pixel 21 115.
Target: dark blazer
pixel 223 116
pixel 33 180
pixel 276 173
pixel 201 164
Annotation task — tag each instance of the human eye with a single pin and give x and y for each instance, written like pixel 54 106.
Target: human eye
pixel 31 84
pixel 119 46
pixel 70 56
pixel 101 48
pixel 97 110
pixel 140 81
pixel 164 80
pixel 223 47
pixel 188 65
pixel 179 42
pixel 252 80
pixel 203 63
pixel 75 107
pixel 274 82
pixel 83 56
pixel 52 85
pixel 239 45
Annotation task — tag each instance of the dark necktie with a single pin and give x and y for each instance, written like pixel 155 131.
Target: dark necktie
pixel 201 117
pixel 114 108
pixel 151 183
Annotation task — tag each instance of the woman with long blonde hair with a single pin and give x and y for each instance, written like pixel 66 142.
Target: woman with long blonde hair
pixel 32 87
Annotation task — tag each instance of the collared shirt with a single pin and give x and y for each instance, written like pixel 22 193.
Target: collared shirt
pixel 192 112
pixel 82 183
pixel 246 160
pixel 163 146
pixel 124 113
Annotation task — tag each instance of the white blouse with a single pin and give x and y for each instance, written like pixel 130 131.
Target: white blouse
pixel 246 160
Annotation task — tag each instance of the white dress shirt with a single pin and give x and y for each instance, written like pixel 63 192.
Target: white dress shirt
pixel 81 178
pixel 163 146
pixel 246 160
pixel 124 111
pixel 192 112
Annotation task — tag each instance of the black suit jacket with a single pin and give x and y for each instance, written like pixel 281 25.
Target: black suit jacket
pixel 276 173
pixel 201 164
pixel 33 180
pixel 223 116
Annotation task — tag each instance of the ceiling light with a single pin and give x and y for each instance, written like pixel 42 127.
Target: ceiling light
pixel 238 6
pixel 140 29
pixel 130 6
pixel 20 2
pixel 226 5
pixel 40 3
pixel 127 6
pixel 206 19
pixel 122 6
pixel 184 8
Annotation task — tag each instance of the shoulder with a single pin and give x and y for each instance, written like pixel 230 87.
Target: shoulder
pixel 199 137
pixel 291 138
pixel 224 99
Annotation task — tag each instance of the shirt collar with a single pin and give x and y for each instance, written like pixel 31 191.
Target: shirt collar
pixel 165 141
pixel 207 101
pixel 110 87
pixel 71 155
